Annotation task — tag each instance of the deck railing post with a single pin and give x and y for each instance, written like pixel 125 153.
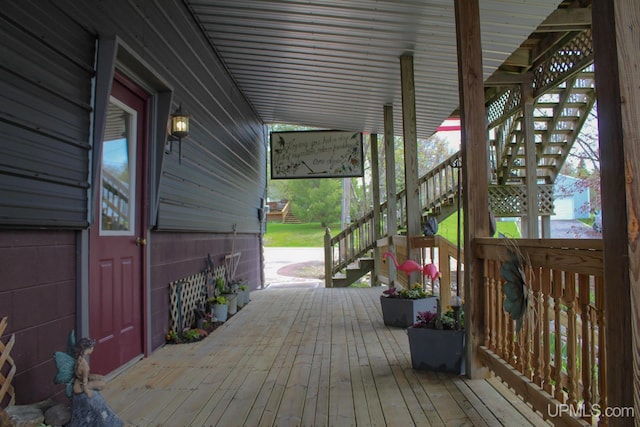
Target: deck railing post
pixel 328 259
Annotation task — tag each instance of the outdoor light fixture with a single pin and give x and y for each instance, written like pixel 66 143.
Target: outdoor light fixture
pixel 179 129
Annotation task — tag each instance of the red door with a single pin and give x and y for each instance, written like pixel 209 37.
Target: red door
pixel 117 235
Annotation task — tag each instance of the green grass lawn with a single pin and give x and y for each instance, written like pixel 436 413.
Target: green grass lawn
pixel 312 234
pixel 309 235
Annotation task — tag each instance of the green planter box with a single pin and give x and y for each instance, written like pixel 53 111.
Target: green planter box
pixel 402 312
pixel 437 350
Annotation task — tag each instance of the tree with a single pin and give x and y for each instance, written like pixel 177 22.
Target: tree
pixel 316 200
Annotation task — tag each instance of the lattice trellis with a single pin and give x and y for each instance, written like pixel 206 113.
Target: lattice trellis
pixel 7 392
pixel 184 296
pixel 511 200
pixel 504 106
pixel 575 55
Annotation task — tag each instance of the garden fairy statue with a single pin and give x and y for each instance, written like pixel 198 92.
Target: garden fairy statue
pixel 85 382
pixel 88 407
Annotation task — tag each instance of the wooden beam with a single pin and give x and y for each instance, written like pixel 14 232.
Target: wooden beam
pixel 567 19
pixel 375 190
pixel 390 176
pixel 615 60
pixel 409 132
pixel 475 179
pixel 531 162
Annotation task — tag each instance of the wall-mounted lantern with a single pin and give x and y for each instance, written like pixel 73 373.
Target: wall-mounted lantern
pixel 179 128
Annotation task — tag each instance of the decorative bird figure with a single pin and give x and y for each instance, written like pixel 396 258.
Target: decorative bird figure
pixel 430 270
pixel 408 266
pixel 430 226
pixel 514 288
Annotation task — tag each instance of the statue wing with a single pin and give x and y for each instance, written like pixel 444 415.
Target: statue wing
pixel 65 374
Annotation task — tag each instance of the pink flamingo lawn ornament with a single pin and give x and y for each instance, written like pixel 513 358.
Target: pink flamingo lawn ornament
pixel 431 271
pixel 407 266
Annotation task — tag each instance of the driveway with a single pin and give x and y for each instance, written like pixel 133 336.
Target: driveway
pixel 572 229
pixel 294 267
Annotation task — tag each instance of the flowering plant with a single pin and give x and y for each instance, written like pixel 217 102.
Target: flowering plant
pixel 445 321
pixel 413 292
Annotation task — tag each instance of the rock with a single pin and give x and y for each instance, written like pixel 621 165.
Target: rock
pixel 5 421
pixel 58 415
pixel 25 415
pixel 94 412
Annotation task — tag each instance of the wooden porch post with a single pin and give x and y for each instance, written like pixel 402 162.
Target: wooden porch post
pixel 474 162
pixel 375 190
pixel 615 41
pixel 390 176
pixel 531 163
pixel 409 134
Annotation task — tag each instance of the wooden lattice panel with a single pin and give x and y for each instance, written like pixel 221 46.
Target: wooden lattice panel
pixel 7 392
pixel 511 200
pixel 185 294
pixel 504 106
pixel 575 55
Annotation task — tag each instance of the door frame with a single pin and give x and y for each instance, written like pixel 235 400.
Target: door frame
pixel 113 54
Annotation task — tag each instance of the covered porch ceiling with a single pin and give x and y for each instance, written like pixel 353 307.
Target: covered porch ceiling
pixel 334 64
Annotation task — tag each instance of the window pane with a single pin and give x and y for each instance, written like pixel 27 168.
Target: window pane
pixel 116 180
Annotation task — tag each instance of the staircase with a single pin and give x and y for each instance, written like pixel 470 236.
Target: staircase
pixel 353 272
pixel 290 218
pixel 560 110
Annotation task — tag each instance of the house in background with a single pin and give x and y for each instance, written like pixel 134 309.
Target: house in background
pixel 571 198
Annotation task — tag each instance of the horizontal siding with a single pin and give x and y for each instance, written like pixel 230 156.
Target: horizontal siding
pixel 45 95
pixel 221 177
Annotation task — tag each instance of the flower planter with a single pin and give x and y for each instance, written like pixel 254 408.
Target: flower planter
pixel 240 298
pixel 233 303
pixel 437 350
pixel 220 312
pixel 402 312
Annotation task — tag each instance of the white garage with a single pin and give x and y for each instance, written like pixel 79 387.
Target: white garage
pixel 564 207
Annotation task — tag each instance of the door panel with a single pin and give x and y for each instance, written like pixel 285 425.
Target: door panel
pixel 116 273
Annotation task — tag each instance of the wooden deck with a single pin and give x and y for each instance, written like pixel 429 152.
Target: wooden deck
pixel 305 357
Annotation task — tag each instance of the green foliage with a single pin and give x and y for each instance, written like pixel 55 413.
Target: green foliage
pixel 220 285
pixel 191 335
pixel 219 300
pixel 316 200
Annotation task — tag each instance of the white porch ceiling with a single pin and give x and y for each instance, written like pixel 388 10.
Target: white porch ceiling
pixel 334 64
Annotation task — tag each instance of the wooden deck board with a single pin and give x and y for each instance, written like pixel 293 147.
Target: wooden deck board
pixel 312 357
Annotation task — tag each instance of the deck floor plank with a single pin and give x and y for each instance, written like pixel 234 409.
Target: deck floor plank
pixel 308 357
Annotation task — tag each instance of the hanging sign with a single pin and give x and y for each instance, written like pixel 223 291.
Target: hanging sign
pixel 316 154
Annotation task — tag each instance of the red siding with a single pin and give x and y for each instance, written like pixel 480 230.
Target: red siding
pixel 175 256
pixel 37 293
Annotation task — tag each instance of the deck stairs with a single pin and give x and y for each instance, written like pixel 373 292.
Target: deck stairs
pixel 353 272
pixel 560 110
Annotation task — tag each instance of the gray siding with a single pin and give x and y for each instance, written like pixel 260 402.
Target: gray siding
pixel 45 94
pixel 45 116
pixel 221 178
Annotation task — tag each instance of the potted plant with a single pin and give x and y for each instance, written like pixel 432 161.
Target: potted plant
pixel 400 307
pixel 436 341
pixel 219 307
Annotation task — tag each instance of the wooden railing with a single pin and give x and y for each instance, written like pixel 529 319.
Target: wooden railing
pixel 557 360
pixel 115 202
pixel 436 188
